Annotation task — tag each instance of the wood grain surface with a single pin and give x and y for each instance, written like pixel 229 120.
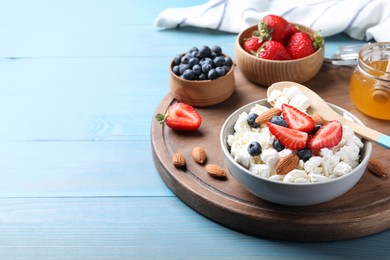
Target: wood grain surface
pixel 362 211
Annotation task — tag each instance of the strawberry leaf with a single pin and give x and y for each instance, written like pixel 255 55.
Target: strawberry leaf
pixel 161 117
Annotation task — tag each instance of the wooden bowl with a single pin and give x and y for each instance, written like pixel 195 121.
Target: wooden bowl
pixel 266 72
pixel 202 93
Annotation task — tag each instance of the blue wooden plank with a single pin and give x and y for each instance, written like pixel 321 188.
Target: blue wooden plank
pixel 120 41
pixel 56 169
pixel 88 12
pixel 102 28
pixel 80 99
pixel 147 228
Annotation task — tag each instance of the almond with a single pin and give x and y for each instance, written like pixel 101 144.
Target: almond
pixel 267 115
pixel 216 171
pixel 376 167
pixel 319 119
pixel 199 154
pixel 287 164
pixel 178 160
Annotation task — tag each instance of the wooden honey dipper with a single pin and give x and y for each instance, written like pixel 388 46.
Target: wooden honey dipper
pixel 381 93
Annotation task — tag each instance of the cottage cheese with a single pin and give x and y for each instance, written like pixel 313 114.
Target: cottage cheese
pixel 328 164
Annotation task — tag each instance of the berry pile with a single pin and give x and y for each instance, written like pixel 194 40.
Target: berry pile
pixel 277 39
pixel 296 130
pixel 203 63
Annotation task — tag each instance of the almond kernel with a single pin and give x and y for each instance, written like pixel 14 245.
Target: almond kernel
pixel 319 119
pixel 376 167
pixel 199 154
pixel 216 171
pixel 268 115
pixel 178 160
pixel 287 164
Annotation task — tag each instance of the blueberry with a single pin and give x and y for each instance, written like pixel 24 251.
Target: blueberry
pixel 226 68
pixel 221 71
pixel 278 120
pixel 188 74
pixel 316 128
pixel 217 50
pixel 197 70
pixel 177 59
pixel 176 70
pixel 277 145
pixel 185 59
pixel 204 52
pixel 206 68
pixel 254 149
pixel 228 62
pixel 305 154
pixel 208 61
pixel 192 62
pixel 193 49
pixel 194 54
pixel 183 67
pixel 202 76
pixel 219 61
pixel 251 120
pixel 213 55
pixel 213 74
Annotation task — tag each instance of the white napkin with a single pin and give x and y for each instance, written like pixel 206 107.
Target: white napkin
pixel 360 19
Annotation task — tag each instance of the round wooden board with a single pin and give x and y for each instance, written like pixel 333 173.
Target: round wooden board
pixel 362 211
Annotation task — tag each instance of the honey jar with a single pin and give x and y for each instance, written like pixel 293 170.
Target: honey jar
pixel 370 81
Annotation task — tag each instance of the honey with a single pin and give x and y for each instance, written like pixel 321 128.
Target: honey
pixel 370 81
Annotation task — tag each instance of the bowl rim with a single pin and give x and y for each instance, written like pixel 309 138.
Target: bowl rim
pixel 240 35
pixel 201 81
pixel 246 108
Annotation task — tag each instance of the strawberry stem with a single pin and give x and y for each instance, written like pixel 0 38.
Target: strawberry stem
pixel 318 40
pixel 161 117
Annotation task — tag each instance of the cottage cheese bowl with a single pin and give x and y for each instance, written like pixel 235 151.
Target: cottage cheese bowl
pixel 295 190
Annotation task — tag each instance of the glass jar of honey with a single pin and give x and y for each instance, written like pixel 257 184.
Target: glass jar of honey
pixel 370 81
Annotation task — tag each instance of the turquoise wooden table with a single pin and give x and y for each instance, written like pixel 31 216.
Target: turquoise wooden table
pixel 79 84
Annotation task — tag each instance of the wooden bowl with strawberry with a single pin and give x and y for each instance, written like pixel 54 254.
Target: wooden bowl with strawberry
pixel 276 50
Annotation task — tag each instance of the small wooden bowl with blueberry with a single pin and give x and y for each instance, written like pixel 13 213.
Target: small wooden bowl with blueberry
pixel 202 76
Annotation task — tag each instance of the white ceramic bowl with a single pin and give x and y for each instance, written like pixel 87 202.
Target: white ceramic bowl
pixel 292 194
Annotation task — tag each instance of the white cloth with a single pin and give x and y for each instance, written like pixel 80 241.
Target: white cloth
pixel 360 19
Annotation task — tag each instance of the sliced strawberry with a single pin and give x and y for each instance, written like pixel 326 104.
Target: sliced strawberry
pixel 290 138
pixel 181 116
pixel 296 119
pixel 328 136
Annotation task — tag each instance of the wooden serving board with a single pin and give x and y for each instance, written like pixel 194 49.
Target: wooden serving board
pixel 362 211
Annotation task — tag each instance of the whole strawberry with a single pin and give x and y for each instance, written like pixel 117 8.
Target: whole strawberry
pixel 273 50
pixel 291 30
pixel 301 45
pixel 273 27
pixel 252 44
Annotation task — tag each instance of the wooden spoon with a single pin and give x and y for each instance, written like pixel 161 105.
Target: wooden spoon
pixel 319 106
